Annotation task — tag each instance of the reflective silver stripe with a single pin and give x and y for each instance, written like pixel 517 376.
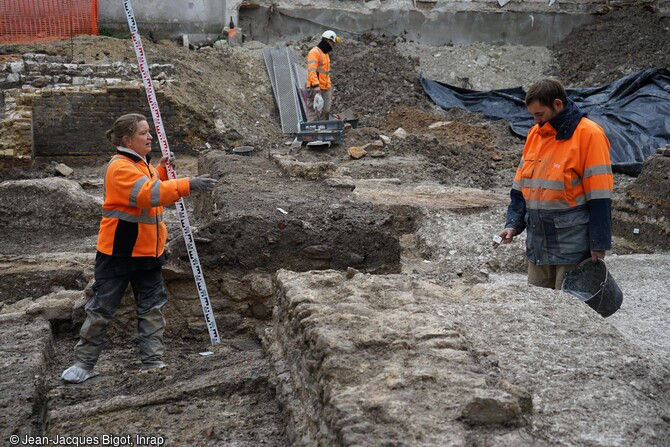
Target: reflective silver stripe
pixel 132 200
pixel 598 194
pixel 116 214
pixel 104 175
pixel 156 194
pixel 544 205
pixel 323 71
pixel 312 61
pixel 599 169
pixel 516 185
pixel 576 181
pixel 544 184
pixel 311 70
pixel 581 200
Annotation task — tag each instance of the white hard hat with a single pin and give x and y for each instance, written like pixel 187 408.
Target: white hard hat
pixel 331 36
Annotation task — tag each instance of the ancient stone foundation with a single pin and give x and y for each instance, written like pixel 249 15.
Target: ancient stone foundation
pixel 369 360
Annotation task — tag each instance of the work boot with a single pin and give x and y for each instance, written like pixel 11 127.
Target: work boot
pixel 150 329
pixel 155 365
pixel 77 374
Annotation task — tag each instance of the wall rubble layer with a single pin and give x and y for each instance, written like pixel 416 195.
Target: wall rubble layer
pixel 372 360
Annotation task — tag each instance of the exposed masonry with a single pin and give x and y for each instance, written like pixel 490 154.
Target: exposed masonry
pixel 45 98
pixel 42 70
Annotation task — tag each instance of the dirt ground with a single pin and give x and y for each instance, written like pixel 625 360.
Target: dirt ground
pixel 377 79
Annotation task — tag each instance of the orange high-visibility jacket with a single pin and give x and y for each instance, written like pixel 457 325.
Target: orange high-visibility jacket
pixel 558 178
pixel 318 69
pixel 132 212
pixel 561 174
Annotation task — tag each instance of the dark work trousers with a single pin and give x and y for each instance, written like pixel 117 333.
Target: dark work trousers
pixel 150 298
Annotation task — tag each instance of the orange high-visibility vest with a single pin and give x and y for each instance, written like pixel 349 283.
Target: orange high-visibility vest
pixel 318 69
pixel 132 211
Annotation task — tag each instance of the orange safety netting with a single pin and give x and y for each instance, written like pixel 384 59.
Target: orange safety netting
pixel 29 21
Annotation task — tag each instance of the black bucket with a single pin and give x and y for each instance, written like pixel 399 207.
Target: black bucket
pixel 592 283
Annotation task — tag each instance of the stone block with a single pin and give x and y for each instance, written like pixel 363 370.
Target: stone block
pixel 491 407
pixel 13 78
pixel 17 67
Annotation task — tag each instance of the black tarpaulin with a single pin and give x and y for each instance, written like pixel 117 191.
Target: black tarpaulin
pixel 634 111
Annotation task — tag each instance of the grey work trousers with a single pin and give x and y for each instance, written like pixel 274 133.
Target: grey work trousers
pixel 150 298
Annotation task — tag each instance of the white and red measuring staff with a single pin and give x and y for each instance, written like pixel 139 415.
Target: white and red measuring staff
pixel 165 150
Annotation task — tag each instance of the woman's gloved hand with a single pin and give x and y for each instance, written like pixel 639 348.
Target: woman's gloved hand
pixel 171 159
pixel 201 183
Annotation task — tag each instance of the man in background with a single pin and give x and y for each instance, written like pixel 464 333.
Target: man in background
pixel 319 85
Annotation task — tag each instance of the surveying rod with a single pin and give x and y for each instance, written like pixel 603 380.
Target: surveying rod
pixel 165 150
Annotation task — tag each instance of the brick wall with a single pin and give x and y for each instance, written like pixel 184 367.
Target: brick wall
pixel 74 122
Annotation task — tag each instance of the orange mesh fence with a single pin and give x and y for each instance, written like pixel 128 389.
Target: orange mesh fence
pixel 29 21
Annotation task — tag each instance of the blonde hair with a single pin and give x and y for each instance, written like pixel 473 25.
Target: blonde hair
pixel 124 126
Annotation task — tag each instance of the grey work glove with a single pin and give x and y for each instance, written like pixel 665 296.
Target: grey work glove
pixel 201 183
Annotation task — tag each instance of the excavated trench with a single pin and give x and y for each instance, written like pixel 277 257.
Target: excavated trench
pixel 240 250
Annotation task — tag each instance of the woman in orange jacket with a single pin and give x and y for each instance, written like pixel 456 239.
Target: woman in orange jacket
pixel 131 245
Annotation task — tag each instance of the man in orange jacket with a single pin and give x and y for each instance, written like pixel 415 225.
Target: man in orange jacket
pixel 562 191
pixel 131 246
pixel 318 77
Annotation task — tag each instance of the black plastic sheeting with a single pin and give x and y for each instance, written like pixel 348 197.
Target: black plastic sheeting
pixel 634 112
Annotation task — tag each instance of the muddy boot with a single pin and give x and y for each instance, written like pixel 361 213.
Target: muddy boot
pixel 150 328
pixel 77 374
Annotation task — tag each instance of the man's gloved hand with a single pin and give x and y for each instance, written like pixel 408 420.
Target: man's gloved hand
pixel 313 91
pixel 171 159
pixel 202 183
pixel 318 102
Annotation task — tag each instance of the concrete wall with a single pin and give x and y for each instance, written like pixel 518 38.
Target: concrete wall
pixel 166 18
pixel 439 28
pixel 434 22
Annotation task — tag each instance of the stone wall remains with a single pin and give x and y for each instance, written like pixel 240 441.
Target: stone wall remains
pixel 74 122
pixel 51 107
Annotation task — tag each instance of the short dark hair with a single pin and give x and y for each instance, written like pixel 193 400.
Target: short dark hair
pixel 545 92
pixel 124 126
